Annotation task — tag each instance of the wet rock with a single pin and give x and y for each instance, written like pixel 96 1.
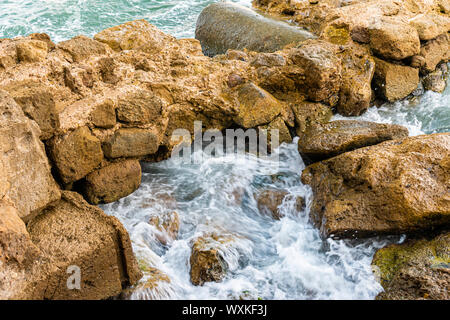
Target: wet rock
pixel 73 233
pixel 31 50
pixel 150 287
pixel 75 154
pixel 168 224
pixel 140 107
pixel 435 81
pixel 414 270
pixel 393 81
pixel 284 136
pixel 26 180
pixel 430 26
pixel 394 40
pixel 223 26
pixel 131 142
pixel 323 141
pixel 207 261
pixel 256 106
pixel 112 182
pixel 37 102
pixel 321 69
pixel 394 187
pixel 104 115
pixel 133 35
pixel 269 201
pixel 308 114
pixel 82 48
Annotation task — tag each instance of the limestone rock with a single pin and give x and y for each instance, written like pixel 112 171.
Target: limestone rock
pixel 73 233
pixel 26 180
pixel 323 141
pixel 256 106
pixel 435 81
pixel 394 40
pixel 321 69
pixel 268 202
pixel 394 187
pixel 308 114
pixel 432 53
pixel 38 103
pixel 417 269
pixel 112 182
pixel 75 154
pixel 8 53
pixel 81 48
pixel 31 50
pixel 131 142
pixel 284 136
pixel 104 115
pixel 168 224
pixel 393 81
pixel 430 26
pixel 139 107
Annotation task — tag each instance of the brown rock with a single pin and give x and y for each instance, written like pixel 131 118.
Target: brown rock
pixel 207 262
pixel 268 60
pixel 45 38
pixel 26 180
pixel 81 48
pixel 168 224
pixel 393 81
pixel 112 182
pixel 106 67
pixel 73 233
pixel 149 289
pixel 257 106
pixel 284 136
pixel 75 154
pixel 8 53
pixel 31 50
pixel 38 103
pixel 415 270
pixel 104 115
pixel 236 55
pixel 141 107
pixel 321 69
pixel 268 202
pixel 394 187
pixel 433 52
pixel 323 141
pixel 435 81
pixel 308 114
pixel 430 26
pixel 394 40
pixel 131 142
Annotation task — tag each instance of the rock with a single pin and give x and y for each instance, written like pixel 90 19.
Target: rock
pixel 234 80
pixel 223 26
pixel 45 38
pixel 432 53
pixel 321 67
pixel 435 81
pixel 268 60
pixel 37 102
pixel 104 115
pixel 138 34
pixel 323 141
pixel 26 180
pixel 82 48
pixel 207 261
pixel 236 55
pixel 416 269
pixel 430 26
pixel 284 136
pixel 308 114
pixel 106 67
pixel 393 81
pixel 168 224
pixel 8 53
pixel 256 106
pixel 75 154
pixel 152 288
pixel 73 233
pixel 113 182
pixel 394 40
pixel 131 142
pixel 398 186
pixel 268 202
pixel 141 107
pixel 31 50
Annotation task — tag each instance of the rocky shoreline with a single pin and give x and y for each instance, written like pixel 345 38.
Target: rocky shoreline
pixel 77 117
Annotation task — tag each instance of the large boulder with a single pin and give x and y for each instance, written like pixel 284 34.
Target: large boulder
pixel 308 114
pixel 131 142
pixel 394 81
pixel 417 269
pixel 397 186
pixel 222 26
pixel 75 154
pixel 323 141
pixel 432 53
pixel 112 182
pixel 31 50
pixel 139 107
pixel 75 234
pixel 26 179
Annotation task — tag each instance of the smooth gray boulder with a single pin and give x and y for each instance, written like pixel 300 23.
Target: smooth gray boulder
pixel 222 26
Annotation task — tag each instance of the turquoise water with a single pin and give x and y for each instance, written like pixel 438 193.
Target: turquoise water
pixel 64 19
